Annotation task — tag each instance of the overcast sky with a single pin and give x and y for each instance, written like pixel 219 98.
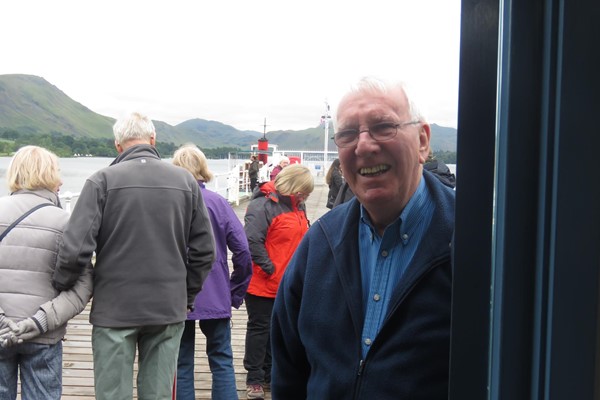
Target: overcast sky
pixel 237 61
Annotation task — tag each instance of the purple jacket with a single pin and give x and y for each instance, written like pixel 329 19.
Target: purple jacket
pixel 220 291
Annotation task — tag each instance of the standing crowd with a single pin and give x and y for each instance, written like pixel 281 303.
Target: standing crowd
pixel 356 306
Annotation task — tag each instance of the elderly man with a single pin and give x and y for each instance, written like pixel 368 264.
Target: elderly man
pixel 363 311
pixel 147 222
pixel 283 162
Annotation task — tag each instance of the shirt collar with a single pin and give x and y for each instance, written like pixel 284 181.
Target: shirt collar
pixel 407 221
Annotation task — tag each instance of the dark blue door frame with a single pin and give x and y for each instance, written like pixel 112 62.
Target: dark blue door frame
pixel 527 244
pixel 474 198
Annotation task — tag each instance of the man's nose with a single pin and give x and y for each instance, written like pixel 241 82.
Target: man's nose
pixel 365 141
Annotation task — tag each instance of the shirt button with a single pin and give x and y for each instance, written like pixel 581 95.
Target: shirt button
pixel 405 236
pixel 376 297
pixel 368 341
pixel 384 253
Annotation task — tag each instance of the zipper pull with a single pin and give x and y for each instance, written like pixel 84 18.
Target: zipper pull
pixel 361 365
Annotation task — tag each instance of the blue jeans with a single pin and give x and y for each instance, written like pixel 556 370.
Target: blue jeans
pixel 41 371
pixel 220 359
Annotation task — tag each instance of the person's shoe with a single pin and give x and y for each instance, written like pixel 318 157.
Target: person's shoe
pixel 255 391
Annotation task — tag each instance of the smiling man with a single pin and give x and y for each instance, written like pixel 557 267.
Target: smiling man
pixel 363 311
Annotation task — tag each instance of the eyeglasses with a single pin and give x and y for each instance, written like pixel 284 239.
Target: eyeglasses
pixel 379 132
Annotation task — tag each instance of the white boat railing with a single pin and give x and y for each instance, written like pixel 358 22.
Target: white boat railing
pixel 227 184
pixel 235 184
pixel 66 200
pixel 315 160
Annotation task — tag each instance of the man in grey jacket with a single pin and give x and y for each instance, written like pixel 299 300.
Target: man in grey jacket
pixel 147 222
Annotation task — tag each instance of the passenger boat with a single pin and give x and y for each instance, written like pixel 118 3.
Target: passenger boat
pixel 235 185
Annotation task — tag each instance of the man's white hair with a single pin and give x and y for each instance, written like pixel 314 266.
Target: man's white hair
pixel 373 84
pixel 136 126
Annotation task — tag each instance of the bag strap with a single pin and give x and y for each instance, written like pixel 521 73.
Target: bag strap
pixel 21 218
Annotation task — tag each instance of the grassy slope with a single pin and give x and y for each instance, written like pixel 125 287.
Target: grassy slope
pixel 30 104
pixel 33 105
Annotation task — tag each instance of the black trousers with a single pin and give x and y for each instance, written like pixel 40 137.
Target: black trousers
pixel 257 359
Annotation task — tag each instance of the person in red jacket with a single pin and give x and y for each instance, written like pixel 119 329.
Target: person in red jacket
pixel 274 223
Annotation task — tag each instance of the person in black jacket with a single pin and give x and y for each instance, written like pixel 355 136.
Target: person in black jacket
pixel 253 171
pixel 441 171
pixel 334 180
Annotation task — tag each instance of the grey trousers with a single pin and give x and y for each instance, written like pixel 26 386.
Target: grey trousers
pixel 114 353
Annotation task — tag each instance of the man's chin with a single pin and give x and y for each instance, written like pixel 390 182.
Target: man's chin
pixel 379 197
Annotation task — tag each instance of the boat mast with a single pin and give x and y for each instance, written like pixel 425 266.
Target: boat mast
pixel 325 118
pixel 265 129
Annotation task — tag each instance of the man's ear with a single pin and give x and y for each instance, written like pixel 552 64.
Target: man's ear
pixel 152 140
pixel 424 137
pixel 118 147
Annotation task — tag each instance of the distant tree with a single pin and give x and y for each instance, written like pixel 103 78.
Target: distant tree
pixel 219 152
pixel 166 150
pixel 67 146
pixel 9 134
pixel 448 157
pixel 7 147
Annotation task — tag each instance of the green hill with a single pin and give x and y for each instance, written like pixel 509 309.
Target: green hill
pixel 442 139
pixel 204 133
pixel 31 105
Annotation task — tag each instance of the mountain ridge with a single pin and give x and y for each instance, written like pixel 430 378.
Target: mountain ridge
pixel 30 104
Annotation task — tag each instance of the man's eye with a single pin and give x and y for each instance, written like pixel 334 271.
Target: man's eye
pixel 383 127
pixel 347 133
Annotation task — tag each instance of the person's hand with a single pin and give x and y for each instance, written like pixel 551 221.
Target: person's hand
pixel 8 327
pixel 8 339
pixel 27 329
pixel 6 324
pixel 19 332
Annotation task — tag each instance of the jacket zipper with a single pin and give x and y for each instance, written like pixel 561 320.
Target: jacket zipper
pixel 361 364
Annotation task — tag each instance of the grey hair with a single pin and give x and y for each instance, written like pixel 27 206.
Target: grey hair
pixel 136 126
pixel 371 84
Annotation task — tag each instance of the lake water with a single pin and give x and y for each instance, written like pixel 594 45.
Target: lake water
pixel 74 171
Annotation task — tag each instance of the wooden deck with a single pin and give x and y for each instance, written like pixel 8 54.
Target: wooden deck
pixel 78 376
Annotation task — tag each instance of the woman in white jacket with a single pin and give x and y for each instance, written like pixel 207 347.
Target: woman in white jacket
pixel 33 315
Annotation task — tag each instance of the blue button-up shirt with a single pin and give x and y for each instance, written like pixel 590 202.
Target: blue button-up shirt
pixel 383 260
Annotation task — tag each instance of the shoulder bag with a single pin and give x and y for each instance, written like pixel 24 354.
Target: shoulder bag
pixel 21 218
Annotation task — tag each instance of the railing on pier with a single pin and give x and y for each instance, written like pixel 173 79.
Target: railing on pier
pixel 227 184
pixel 313 159
pixel 68 200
